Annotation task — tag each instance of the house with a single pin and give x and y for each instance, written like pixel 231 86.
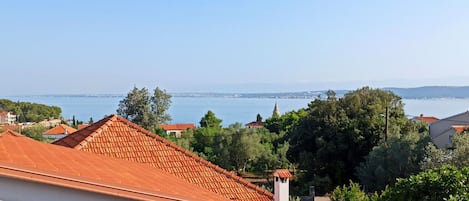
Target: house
pixel 11 127
pixel 176 129
pixel 81 126
pixel 7 118
pixel 442 131
pixel 32 170
pixel 425 119
pixel 59 131
pixel 255 124
pixel 119 138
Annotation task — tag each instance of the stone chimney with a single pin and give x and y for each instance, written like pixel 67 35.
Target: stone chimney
pixel 281 184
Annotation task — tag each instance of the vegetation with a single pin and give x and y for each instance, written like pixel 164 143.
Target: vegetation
pixel 397 158
pixel 337 133
pixel 147 110
pixel 332 144
pixel 445 183
pixel 35 132
pixel 30 112
pixel 457 156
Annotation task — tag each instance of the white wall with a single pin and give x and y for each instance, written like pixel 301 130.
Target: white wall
pixel 442 129
pixel 12 189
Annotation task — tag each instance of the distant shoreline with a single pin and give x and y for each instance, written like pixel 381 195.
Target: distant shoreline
pixel 428 92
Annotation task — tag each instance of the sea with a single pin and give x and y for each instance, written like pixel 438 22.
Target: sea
pixel 229 109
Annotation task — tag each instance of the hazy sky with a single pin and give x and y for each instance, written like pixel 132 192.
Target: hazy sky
pixel 81 47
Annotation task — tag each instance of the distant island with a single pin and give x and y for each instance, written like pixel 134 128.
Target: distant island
pixel 425 92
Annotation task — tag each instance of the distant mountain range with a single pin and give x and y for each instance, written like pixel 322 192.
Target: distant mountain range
pixel 407 93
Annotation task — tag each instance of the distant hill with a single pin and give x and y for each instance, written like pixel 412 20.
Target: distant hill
pixel 431 92
pixel 407 93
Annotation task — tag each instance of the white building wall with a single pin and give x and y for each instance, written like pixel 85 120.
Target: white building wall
pixel 441 131
pixel 12 189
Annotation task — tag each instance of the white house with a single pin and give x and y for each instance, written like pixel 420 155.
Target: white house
pixel 442 131
pixel 7 118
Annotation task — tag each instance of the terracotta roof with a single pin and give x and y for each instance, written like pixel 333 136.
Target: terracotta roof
pixel 60 130
pixel 10 127
pixel 256 124
pixel 81 126
pixel 425 119
pixel 282 173
pixel 460 128
pixel 181 127
pixel 117 137
pixel 3 114
pixel 27 159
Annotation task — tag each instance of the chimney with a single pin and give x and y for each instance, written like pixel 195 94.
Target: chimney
pixel 281 184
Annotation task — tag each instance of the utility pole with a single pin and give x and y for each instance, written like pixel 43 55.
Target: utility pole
pixel 387 125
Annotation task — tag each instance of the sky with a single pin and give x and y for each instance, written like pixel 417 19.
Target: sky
pixel 96 47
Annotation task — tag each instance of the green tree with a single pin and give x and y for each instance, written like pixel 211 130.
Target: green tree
pixel 258 118
pixel 445 183
pixel 335 135
pixel 457 156
pixel 30 112
pixel 35 132
pixel 147 111
pixel 91 120
pixel 397 158
pixel 161 101
pixel 350 192
pixel 210 121
pixel 237 147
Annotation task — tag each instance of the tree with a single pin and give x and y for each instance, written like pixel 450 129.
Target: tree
pixel 210 121
pixel 30 112
pixel 161 102
pixel 445 183
pixel 335 135
pixel 237 148
pixel 457 156
pixel 91 120
pixel 35 132
pixel 258 118
pixel 147 111
pixel 397 158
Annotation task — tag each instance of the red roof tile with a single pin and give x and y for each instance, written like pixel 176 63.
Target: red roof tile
pixel 80 126
pixel 425 119
pixel 60 130
pixel 117 137
pixel 460 128
pixel 181 127
pixel 10 127
pixel 282 173
pixel 24 158
pixel 255 124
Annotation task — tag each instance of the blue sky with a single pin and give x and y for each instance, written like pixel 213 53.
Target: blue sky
pixel 88 47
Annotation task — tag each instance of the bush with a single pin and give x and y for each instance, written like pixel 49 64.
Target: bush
pixel 445 183
pixel 352 192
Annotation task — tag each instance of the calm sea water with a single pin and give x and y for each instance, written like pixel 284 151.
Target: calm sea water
pixel 230 110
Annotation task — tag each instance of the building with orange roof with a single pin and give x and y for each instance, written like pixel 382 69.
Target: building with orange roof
pixel 442 131
pixel 425 119
pixel 255 124
pixel 81 126
pixel 32 170
pixel 119 138
pixel 10 127
pixel 7 118
pixel 59 131
pixel 176 129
